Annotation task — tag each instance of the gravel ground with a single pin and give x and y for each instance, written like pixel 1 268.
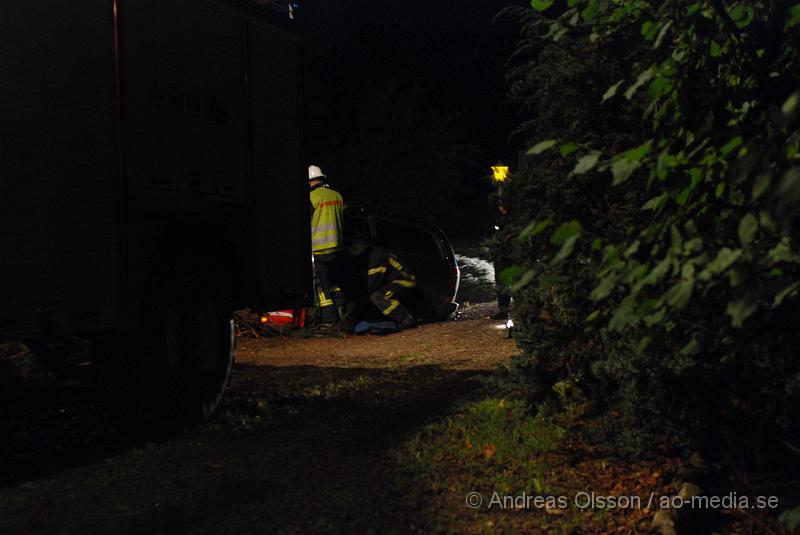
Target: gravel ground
pixel 478 344
pixel 301 445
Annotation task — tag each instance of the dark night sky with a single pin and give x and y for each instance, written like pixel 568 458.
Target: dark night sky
pixel 450 46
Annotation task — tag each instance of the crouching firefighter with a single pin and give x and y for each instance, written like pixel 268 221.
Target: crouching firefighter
pixel 387 281
pixel 327 240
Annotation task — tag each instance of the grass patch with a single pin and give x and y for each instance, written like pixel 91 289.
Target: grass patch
pixel 492 430
pixel 240 412
pixel 494 439
pixel 346 387
pixel 502 430
pixel 495 448
pixel 247 411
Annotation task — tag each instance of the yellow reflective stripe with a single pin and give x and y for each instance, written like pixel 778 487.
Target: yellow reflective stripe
pixel 394 304
pixel 375 271
pixel 327 237
pixel 325 228
pixel 323 300
pixel 405 283
pixel 322 240
pixel 395 264
pixel 334 233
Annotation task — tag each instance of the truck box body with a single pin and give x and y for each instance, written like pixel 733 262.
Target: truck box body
pixel 131 128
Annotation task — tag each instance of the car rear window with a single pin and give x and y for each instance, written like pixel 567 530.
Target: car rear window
pixel 360 225
pixel 401 238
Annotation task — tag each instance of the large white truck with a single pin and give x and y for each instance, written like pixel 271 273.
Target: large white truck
pixel 152 181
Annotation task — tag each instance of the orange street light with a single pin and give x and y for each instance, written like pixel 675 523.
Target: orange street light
pixel 499 173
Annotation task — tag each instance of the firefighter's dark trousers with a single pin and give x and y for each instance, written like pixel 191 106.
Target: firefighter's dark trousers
pixel 386 299
pixel 330 298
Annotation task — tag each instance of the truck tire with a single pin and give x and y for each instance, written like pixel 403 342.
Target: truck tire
pixel 194 350
pixel 180 359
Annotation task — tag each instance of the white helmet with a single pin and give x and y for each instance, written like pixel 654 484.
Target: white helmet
pixel 315 172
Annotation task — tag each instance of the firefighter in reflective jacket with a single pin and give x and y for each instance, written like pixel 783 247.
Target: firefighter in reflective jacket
pixel 327 242
pixel 386 279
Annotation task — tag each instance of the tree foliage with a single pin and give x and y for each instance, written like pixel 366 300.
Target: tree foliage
pixel 664 135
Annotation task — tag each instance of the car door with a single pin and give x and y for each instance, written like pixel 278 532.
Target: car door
pixel 422 251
